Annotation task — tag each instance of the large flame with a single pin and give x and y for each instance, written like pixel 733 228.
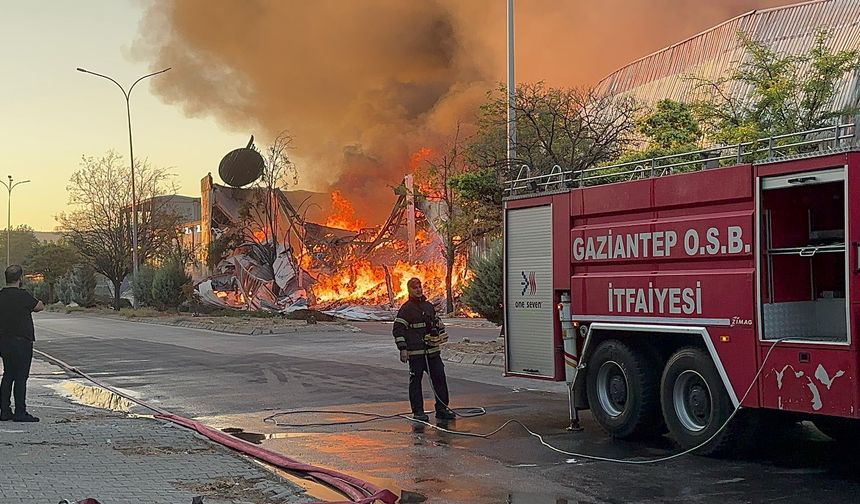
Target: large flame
pixel 364 283
pixel 418 158
pixel 361 280
pixel 343 214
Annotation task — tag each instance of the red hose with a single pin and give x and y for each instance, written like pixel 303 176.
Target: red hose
pixel 344 483
pixel 357 490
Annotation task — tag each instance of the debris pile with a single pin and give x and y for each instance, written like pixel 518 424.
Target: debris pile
pixel 274 259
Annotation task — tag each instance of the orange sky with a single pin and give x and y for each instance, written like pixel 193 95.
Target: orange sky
pixel 368 79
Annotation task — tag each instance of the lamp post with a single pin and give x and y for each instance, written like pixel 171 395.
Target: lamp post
pixel 127 95
pixel 512 88
pixel 9 186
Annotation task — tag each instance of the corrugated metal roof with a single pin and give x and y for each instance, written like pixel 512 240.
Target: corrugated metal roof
pixel 717 53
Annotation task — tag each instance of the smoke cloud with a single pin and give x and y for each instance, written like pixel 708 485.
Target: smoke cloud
pixel 362 85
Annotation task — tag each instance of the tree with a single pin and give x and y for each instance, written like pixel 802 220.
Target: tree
pixel 261 211
pixel 671 128
pixel 38 289
pixel 99 224
pixel 63 290
pixel 569 127
pixel 484 292
pixel 479 192
pixel 167 285
pixel 82 280
pixel 23 240
pixel 142 286
pixel 670 125
pixel 572 128
pixel 457 227
pixel 52 261
pixel 772 93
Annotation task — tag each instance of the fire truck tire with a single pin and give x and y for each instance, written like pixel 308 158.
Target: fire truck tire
pixel 622 385
pixel 844 430
pixel 696 404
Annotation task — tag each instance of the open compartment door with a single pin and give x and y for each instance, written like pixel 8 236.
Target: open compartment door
pixel 803 278
pixel 529 302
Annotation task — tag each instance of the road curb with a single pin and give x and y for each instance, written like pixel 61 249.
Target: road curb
pixel 477 359
pixel 227 329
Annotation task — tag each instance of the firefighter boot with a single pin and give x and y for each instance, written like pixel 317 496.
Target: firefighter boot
pixel 445 414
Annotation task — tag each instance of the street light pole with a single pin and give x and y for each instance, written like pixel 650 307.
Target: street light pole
pixel 512 88
pixel 127 95
pixel 9 186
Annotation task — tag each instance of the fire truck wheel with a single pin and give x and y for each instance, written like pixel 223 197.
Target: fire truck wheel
pixel 695 402
pixel 623 390
pixel 844 430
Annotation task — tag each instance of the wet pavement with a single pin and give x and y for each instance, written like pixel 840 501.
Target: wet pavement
pixel 77 451
pixel 235 382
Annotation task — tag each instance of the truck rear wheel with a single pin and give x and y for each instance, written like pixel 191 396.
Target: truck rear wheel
pixel 696 404
pixel 844 430
pixel 623 390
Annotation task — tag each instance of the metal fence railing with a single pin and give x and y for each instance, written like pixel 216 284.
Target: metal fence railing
pixel 838 137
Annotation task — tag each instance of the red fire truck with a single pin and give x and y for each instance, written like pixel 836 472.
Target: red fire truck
pixel 670 292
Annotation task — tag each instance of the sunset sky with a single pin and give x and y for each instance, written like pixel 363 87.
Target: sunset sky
pixel 51 115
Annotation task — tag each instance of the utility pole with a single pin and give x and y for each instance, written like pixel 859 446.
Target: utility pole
pixel 127 95
pixel 512 88
pixel 9 186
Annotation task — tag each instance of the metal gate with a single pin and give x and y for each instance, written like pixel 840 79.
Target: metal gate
pixel 529 307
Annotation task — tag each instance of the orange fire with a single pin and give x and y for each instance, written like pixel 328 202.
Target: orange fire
pixel 343 214
pixel 360 281
pixel 418 157
pixel 419 167
pixel 365 283
pixel 261 236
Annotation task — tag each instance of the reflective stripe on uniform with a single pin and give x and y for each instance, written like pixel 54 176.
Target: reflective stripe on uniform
pixel 419 325
pixel 400 339
pixel 401 321
pixel 423 352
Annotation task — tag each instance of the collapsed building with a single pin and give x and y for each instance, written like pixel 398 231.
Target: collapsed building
pixel 263 252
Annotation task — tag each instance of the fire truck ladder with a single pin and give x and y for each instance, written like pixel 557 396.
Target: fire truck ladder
pixel 826 140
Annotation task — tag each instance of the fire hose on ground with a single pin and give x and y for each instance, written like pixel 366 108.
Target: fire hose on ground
pixel 357 490
pixel 362 492
pixel 370 417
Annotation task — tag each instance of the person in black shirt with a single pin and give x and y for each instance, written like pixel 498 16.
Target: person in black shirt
pixel 16 344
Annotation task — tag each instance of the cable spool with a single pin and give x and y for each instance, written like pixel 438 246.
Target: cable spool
pixel 242 166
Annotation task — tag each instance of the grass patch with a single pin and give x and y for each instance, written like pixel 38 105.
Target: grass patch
pixel 139 313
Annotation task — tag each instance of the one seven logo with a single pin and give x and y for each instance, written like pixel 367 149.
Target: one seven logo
pixel 529 283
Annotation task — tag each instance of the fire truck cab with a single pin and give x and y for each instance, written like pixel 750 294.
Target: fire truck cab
pixel 670 292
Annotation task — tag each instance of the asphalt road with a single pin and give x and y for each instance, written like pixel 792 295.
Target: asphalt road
pixel 235 381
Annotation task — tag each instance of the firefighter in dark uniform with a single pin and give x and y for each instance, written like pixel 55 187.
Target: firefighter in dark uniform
pixel 418 332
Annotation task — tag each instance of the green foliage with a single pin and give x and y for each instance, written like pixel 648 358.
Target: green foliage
pixel 480 186
pixel 787 92
pixel 23 240
pixel 167 286
pixel 82 281
pixel 129 312
pixel 142 286
pixel 63 290
pixel 38 289
pixel 484 292
pixel 671 125
pixel 51 260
